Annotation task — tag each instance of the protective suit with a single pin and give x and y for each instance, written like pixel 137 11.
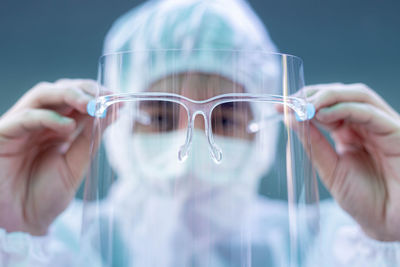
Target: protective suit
pixel 191 25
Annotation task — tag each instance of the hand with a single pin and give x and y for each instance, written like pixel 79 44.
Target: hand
pixel 362 172
pixel 44 152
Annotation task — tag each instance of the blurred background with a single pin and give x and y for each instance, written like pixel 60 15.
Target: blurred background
pixel 339 41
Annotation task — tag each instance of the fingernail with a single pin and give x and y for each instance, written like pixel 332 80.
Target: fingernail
pixel 66 120
pixel 91 87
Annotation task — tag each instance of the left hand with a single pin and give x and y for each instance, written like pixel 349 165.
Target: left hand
pixel 362 171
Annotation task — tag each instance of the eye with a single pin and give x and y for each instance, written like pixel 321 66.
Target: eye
pixel 227 122
pixel 162 122
pixel 223 123
pixel 158 119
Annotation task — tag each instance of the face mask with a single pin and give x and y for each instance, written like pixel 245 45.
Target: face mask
pixel 156 157
pixel 152 159
pixel 153 165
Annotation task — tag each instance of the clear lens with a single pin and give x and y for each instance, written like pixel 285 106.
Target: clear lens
pixel 232 119
pixel 160 117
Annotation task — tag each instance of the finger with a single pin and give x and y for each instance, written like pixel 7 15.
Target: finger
pixel 77 157
pixel 306 92
pixel 303 93
pixel 321 153
pixel 34 120
pixel 46 95
pixel 84 128
pixel 331 94
pixel 72 94
pixel 310 90
pixel 89 86
pixel 85 142
pixel 368 116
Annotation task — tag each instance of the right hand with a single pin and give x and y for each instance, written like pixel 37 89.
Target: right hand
pixel 44 153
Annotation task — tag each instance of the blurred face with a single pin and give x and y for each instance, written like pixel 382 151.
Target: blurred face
pixel 228 119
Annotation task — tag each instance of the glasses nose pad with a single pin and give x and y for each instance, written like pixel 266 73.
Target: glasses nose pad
pixel 184 149
pixel 215 151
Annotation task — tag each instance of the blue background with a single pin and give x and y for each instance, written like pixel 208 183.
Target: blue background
pixel 339 41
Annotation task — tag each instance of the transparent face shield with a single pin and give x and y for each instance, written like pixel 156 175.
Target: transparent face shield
pixel 199 159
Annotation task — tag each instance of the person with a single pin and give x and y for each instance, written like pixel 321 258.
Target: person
pixel 46 135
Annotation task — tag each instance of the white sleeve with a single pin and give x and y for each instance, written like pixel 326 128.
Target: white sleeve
pixel 58 248
pixel 343 243
pixel 352 247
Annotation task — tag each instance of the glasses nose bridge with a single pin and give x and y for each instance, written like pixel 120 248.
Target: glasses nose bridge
pixel 203 109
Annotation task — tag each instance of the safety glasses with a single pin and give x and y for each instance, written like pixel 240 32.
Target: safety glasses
pixel 226 115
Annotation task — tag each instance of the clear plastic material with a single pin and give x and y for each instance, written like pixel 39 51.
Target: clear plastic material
pixel 200 159
pixel 214 110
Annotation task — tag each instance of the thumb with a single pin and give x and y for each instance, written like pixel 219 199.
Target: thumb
pixel 322 155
